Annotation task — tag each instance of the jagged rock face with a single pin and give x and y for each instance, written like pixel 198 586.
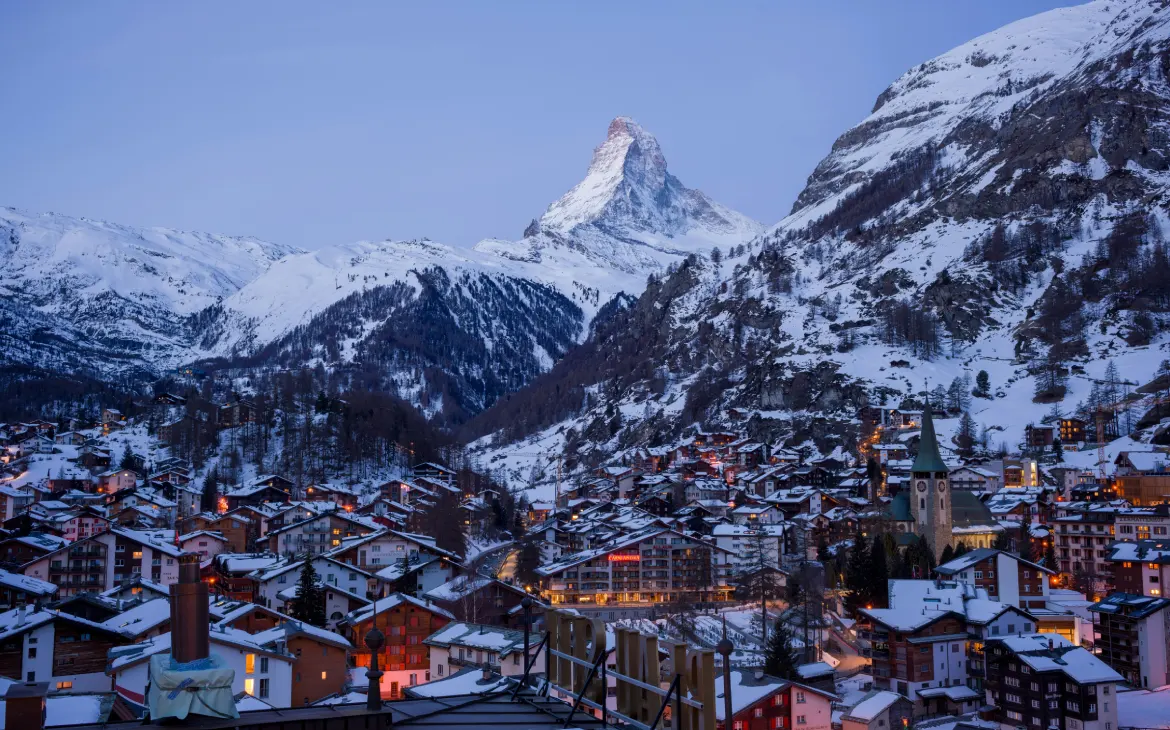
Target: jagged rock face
pixel 450 329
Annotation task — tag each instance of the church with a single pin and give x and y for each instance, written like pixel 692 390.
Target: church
pixel 929 507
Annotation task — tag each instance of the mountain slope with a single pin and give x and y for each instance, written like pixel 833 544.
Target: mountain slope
pixel 108 300
pixel 491 318
pixel 1002 208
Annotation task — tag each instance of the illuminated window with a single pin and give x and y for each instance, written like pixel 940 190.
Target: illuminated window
pixel 249 665
pixel 250 686
pixel 324 675
pixel 137 555
pixel 64 685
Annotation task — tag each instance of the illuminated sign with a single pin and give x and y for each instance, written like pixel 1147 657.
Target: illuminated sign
pixel 617 558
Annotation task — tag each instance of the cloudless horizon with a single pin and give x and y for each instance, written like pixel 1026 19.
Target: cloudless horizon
pixel 313 124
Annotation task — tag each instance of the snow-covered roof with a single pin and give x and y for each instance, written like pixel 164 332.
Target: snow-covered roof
pixel 141 618
pixel 872 705
pixel 1146 708
pixel 747 689
pixel 1052 652
pixel 478 636
pixel 390 602
pixel 27 584
pixel 467 681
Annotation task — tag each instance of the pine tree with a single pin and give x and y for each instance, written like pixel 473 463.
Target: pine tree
pixel 878 577
pixel 1002 542
pixel 965 438
pixel 309 603
pixel 948 554
pixel 1050 554
pixel 780 659
pixel 127 459
pixel 855 574
pixel 961 549
pixel 982 385
pixel 209 497
pixel 1058 450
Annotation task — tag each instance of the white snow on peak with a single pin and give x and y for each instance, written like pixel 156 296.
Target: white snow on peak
pixel 628 190
pixel 629 155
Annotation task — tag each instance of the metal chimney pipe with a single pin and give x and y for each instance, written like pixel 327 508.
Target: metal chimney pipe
pixel 189 619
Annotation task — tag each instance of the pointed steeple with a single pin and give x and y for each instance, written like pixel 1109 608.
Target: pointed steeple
pixel 928 458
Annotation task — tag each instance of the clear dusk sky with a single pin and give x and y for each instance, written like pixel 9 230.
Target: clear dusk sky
pixel 313 123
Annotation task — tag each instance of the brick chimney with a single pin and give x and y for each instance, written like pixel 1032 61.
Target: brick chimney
pixel 189 620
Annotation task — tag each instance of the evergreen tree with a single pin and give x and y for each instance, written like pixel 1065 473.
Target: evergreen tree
pixel 961 549
pixel 965 439
pixel 127 459
pixel 982 385
pixel 209 497
pixel 1050 554
pixel 1058 450
pixel 1002 542
pixel 780 659
pixel 879 575
pixel 855 572
pixel 948 554
pixel 309 603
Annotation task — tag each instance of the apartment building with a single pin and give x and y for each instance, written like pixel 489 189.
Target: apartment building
pixel 1004 576
pixel 1044 681
pixel 653 565
pixel 1141 568
pixel 1131 636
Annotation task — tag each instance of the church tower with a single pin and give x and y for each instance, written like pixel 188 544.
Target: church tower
pixel 930 497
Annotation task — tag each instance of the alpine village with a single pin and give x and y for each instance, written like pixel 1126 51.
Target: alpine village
pixel 901 460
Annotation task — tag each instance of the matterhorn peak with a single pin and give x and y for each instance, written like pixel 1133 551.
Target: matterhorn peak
pixel 628 190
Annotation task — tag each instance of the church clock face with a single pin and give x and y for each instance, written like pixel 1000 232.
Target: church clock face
pixel 922 486
pixel 942 487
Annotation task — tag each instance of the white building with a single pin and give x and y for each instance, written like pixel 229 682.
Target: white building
pixel 262 670
pixel 460 645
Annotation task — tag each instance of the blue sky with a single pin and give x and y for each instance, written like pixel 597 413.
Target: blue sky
pixel 319 123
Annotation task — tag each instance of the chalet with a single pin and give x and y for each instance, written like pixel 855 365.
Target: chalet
pixel 348 587
pixel 1039 436
pixel 136 591
pixel 405 621
pixel 319 533
pixel 262 665
pixel 205 543
pixel 975 479
pixel 169 399
pixel 15 501
pixel 116 480
pixel 235 413
pixel 19 590
pixel 231 574
pixel 459 646
pixel 1141 568
pixel 239 531
pixel 481 599
pixel 68 652
pixel 344 497
pixel 100 562
pixel 18 551
pixel 434 472
pixel 878 710
pixel 268 488
pixel 763 702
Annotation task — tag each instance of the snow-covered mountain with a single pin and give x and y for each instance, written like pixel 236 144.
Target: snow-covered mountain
pixel 1003 208
pixel 88 296
pixel 451 329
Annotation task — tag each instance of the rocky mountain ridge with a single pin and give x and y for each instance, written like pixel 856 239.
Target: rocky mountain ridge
pixel 450 329
pixel 1003 208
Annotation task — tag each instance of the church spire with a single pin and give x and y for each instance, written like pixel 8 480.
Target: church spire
pixel 928 459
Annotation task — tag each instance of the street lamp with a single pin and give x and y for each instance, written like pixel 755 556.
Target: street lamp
pixel 375 640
